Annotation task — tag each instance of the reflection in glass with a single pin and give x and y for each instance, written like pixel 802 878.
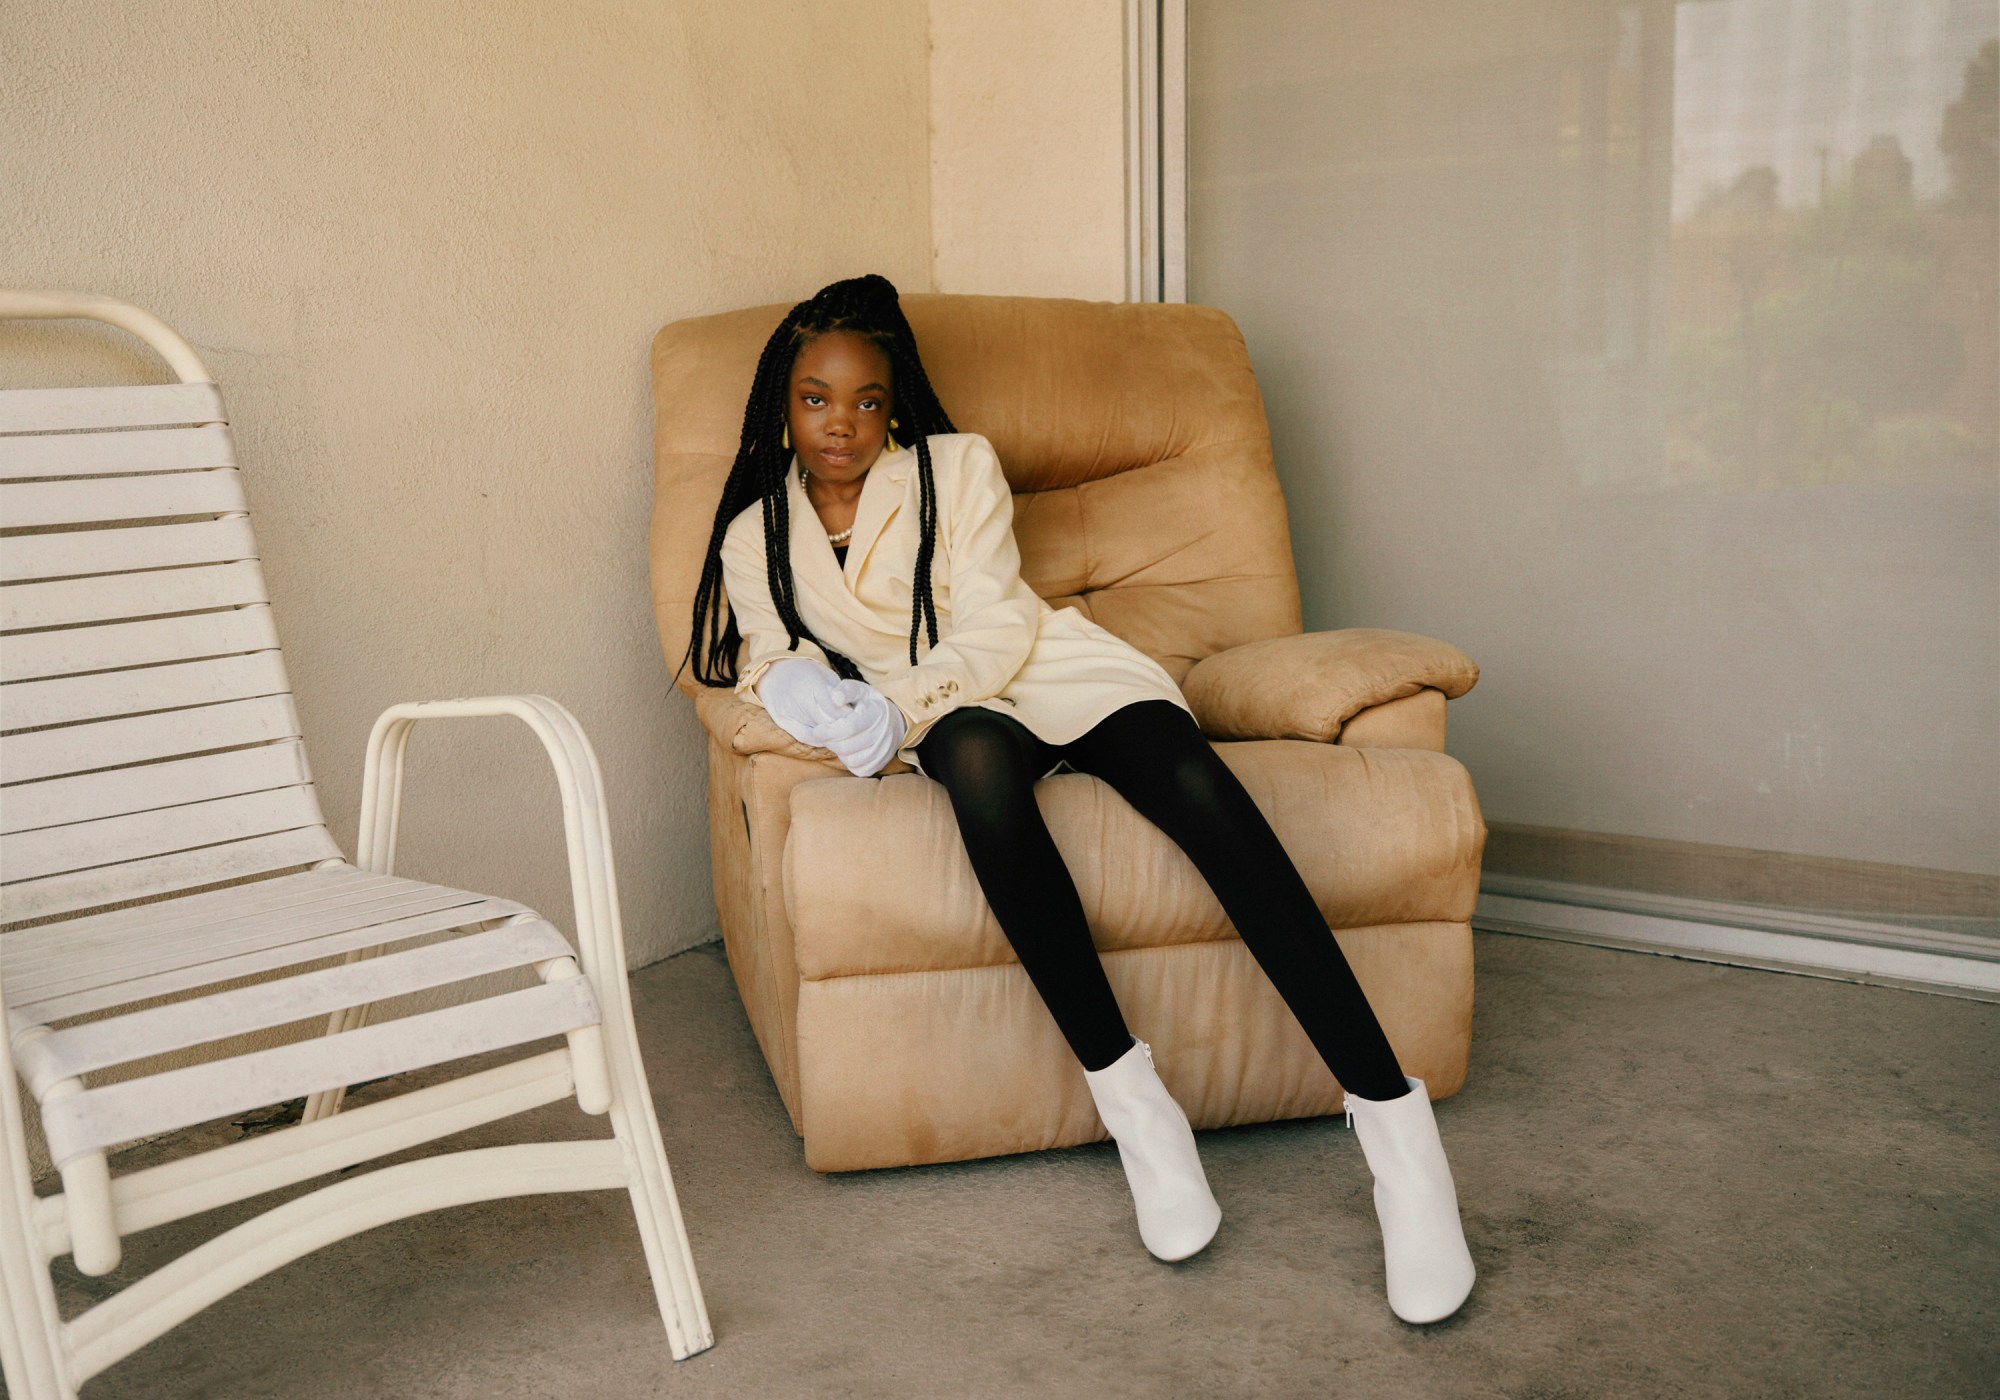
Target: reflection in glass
pixel 1832 314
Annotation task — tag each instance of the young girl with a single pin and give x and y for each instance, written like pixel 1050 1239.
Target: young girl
pixel 868 554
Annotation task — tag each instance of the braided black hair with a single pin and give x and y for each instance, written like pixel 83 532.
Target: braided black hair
pixel 867 307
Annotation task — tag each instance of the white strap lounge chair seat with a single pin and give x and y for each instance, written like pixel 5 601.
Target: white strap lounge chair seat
pixel 173 909
pixel 66 970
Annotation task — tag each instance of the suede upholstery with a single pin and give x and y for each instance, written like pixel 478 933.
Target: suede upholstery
pixel 1308 686
pixel 896 1023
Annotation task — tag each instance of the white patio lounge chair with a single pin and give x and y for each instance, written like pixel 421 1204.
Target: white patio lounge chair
pixel 151 753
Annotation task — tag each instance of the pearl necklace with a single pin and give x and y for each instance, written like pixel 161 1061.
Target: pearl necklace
pixel 845 535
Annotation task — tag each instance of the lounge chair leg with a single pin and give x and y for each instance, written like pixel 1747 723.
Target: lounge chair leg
pixel 93 1222
pixel 587 1065
pixel 93 1225
pixel 326 1102
pixel 31 1352
pixel 654 1204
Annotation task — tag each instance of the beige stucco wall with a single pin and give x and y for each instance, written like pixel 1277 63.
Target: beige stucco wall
pixel 424 248
pixel 1027 147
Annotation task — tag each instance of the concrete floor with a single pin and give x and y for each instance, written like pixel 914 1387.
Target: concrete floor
pixel 1678 1180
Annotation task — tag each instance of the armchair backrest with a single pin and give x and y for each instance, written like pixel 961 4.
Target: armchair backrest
pixel 1133 436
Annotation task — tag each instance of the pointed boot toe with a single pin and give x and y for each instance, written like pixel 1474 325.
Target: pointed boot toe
pixel 1177 1213
pixel 1428 1266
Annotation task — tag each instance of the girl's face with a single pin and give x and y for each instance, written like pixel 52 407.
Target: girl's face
pixel 838 410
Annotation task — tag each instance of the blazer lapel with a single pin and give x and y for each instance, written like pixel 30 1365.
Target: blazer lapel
pixel 881 497
pixel 814 568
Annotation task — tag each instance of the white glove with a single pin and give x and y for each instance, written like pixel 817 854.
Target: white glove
pixel 799 693
pixel 867 736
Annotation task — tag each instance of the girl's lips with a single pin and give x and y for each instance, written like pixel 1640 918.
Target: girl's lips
pixel 835 456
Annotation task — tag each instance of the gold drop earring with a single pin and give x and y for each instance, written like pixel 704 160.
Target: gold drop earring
pixel 785 437
pixel 891 435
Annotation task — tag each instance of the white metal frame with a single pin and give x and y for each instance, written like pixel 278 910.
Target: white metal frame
pixel 47 1359
pixel 1156 150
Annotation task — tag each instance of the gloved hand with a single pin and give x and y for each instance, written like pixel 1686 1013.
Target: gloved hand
pixel 799 693
pixel 867 736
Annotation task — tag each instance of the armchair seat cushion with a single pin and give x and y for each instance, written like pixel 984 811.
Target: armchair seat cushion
pixel 876 878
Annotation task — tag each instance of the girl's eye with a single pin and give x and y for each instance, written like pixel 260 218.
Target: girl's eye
pixel 814 401
pixel 871 405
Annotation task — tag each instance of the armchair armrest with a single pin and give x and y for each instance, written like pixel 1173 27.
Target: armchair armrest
pixel 744 728
pixel 1307 686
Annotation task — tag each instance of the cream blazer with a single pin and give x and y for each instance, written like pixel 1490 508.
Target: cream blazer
pixel 1000 647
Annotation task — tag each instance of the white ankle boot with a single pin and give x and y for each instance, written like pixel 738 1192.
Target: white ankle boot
pixel 1429 1267
pixel 1177 1213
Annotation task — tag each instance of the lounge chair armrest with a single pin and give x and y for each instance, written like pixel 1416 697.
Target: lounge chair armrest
pixel 586 825
pixel 1307 686
pixel 744 728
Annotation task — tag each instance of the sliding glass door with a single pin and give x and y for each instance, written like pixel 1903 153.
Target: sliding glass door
pixel 1647 351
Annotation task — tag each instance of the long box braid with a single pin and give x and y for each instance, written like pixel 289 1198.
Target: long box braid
pixel 868 307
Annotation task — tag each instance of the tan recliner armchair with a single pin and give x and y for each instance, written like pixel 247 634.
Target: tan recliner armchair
pixel 893 1016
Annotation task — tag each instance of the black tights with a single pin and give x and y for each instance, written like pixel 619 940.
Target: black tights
pixel 1154 757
